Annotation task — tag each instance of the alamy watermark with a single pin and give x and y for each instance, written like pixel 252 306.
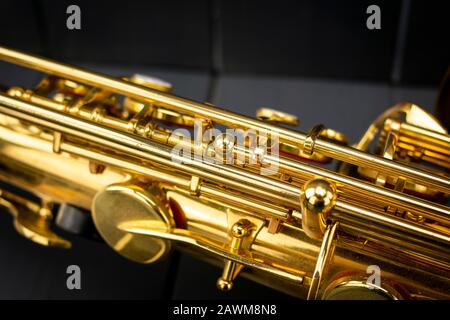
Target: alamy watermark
pixel 373 22
pixel 374 280
pixel 233 146
pixel 73 281
pixel 73 21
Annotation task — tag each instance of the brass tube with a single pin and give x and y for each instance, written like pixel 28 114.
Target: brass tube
pixel 127 140
pixel 343 153
pixel 253 184
pixel 75 153
pixel 281 193
pixel 434 138
pixel 426 208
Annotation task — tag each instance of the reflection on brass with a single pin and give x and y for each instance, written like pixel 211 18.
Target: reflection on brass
pixel 129 202
pixel 275 116
pixel 110 145
pixel 239 231
pixel 317 200
pixel 32 220
pixel 359 290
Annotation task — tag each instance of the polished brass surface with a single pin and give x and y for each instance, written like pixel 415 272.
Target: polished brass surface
pixel 275 116
pixel 325 253
pixel 239 231
pixel 358 290
pixel 32 220
pixel 128 202
pixel 317 199
pixel 262 206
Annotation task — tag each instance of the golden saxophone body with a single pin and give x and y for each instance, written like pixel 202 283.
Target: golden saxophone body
pixel 265 208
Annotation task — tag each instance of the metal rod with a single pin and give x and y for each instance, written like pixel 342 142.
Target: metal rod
pixel 343 153
pixel 236 178
pixel 250 183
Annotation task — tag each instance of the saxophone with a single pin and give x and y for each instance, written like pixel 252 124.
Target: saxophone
pixel 155 171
